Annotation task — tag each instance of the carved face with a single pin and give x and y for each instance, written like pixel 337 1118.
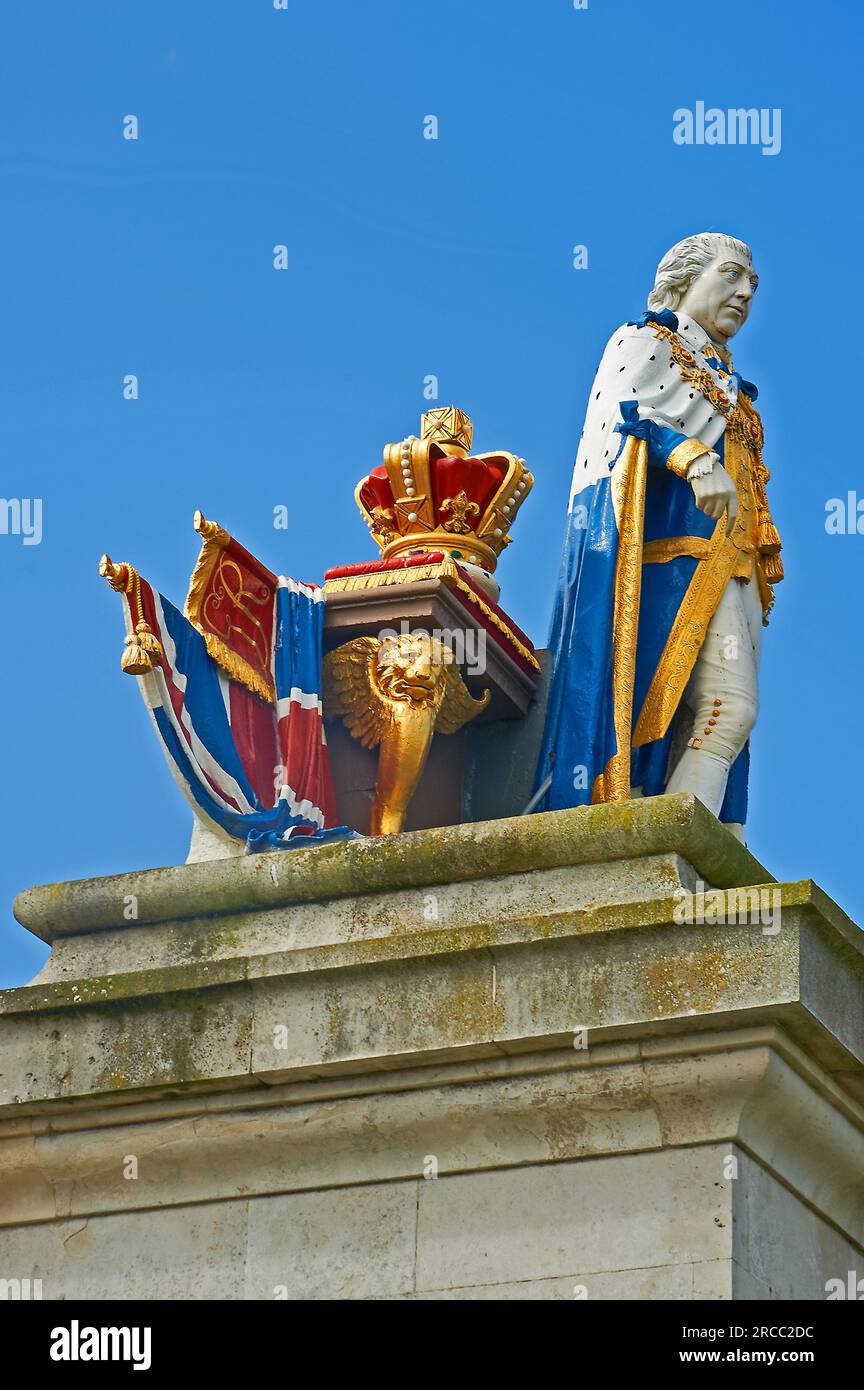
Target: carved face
pixel 410 666
pixel 719 299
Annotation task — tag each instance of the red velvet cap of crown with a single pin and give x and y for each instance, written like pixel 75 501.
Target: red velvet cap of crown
pixel 479 479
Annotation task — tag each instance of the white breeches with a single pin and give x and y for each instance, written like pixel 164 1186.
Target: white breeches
pixel 721 697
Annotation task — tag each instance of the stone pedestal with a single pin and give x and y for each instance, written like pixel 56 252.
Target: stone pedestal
pixel 484 1061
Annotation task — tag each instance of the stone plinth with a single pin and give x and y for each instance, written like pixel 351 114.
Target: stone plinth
pixel 361 1072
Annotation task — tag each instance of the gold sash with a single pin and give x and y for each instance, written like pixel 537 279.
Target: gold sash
pixel 724 556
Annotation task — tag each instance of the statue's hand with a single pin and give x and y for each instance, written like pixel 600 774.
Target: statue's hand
pixel 715 492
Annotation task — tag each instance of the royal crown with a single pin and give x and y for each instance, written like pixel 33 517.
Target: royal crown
pixel 431 494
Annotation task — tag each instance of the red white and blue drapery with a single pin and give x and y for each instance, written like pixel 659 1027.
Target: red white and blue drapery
pixel 259 771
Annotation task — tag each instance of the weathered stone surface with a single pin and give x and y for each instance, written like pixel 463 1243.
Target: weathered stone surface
pixel 480 1062
pixel 782 1246
pixel 199 1254
pixel 354 1242
pixel 661 1282
pixel 453 854
pixel 603 1214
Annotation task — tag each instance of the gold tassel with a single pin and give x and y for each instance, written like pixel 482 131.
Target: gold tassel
pixel 769 540
pixel 749 429
pixel 768 537
pixel 148 640
pixel 141 650
pixel 136 659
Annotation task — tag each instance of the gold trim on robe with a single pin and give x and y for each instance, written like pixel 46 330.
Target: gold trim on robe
pixel 628 499
pixel 686 453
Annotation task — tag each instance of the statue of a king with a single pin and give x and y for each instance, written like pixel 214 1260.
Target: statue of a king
pixel 670 556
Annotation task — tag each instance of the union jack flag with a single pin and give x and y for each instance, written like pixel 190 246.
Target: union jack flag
pixel 259 770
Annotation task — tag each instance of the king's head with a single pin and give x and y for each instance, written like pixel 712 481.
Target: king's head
pixel 709 277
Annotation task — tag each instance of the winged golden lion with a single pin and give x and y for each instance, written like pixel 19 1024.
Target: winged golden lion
pixel 396 693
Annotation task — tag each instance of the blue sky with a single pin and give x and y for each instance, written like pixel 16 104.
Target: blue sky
pixel 407 257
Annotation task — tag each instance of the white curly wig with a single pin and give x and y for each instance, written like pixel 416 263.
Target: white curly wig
pixel 685 263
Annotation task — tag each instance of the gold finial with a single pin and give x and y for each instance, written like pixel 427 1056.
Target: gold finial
pixel 210 530
pixel 118 576
pixel 447 426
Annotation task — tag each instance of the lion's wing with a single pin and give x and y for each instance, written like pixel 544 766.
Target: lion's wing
pixel 350 691
pixel 458 705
